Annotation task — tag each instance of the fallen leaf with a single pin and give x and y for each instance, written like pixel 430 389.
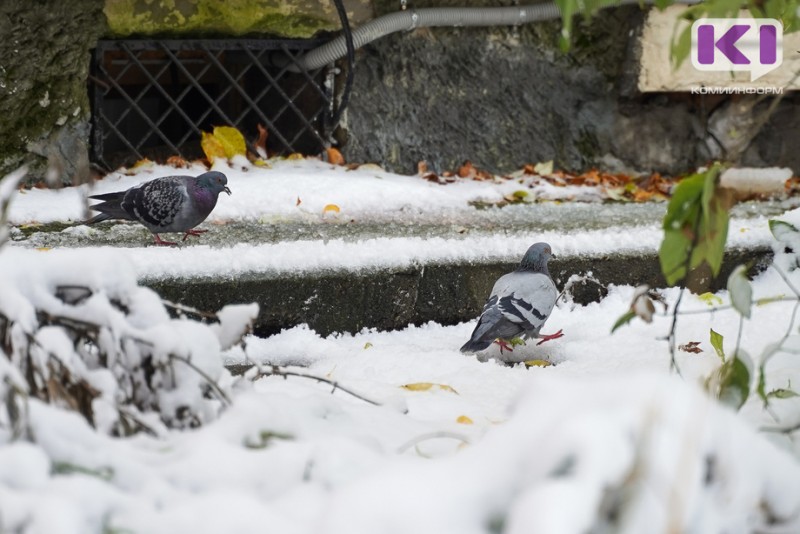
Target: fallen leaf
pixel 298 202
pixel 334 156
pixel 177 162
pixel 692 347
pixel 543 168
pixel 42 249
pixel 331 207
pixel 464 420
pixel 467 170
pixel 231 140
pixel 537 363
pixel 425 386
pixel 367 345
pixel 212 147
pixel 422 167
pixel 295 156
pixel 261 142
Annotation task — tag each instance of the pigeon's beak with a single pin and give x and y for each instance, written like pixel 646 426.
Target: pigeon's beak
pixel 226 189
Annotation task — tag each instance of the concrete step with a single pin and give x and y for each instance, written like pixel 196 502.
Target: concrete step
pixel 341 296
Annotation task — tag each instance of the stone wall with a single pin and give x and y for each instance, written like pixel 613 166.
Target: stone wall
pixel 500 97
pixel 44 65
pixel 503 97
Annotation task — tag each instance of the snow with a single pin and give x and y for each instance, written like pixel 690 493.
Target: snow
pixel 606 438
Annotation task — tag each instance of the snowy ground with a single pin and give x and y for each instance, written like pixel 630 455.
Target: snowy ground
pixel 606 438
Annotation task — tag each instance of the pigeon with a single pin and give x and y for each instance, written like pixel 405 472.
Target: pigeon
pixel 519 304
pixel 168 204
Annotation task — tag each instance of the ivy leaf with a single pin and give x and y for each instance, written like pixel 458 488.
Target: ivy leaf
pixel 741 291
pixel 716 342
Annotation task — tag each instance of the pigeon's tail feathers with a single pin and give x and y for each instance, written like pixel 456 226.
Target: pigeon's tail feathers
pixel 115 198
pixel 475 345
pixel 98 218
pixel 110 208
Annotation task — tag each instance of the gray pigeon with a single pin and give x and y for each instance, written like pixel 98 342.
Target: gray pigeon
pixel 168 204
pixel 519 304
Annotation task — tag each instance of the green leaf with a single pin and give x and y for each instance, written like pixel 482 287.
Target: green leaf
pixel 741 291
pixel 782 231
pixel 265 439
pixel 761 387
pixel 716 342
pixel 623 320
pixel 734 380
pixel 697 205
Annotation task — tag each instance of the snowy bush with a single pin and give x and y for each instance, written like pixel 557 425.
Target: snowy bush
pixel 77 331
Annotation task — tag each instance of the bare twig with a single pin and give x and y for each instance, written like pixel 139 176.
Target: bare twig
pixel 277 371
pixel 188 309
pixel 432 435
pixel 222 395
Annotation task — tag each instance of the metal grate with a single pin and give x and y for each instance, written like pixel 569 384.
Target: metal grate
pixel 153 98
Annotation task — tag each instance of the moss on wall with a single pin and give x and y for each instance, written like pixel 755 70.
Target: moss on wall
pixel 295 19
pixel 44 65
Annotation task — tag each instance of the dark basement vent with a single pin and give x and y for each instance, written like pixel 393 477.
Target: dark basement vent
pixel 152 98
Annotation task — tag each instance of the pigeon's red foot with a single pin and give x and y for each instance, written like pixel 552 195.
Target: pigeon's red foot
pixel 161 242
pixel 548 337
pixel 503 345
pixel 195 233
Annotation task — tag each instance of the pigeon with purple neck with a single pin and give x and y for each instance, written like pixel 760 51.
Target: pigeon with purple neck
pixel 164 205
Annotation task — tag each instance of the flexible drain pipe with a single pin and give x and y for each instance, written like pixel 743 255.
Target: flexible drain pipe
pixel 438 16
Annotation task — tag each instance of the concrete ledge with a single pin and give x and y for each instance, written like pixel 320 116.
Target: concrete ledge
pixel 391 299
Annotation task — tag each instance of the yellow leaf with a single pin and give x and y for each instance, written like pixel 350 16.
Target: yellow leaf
pixel 537 363
pixel 231 139
pixel 464 420
pixel 367 345
pixel 261 163
pixel 295 156
pixel 710 298
pixel 425 386
pixel 142 163
pixel 331 207
pixel 212 147
pixel 42 249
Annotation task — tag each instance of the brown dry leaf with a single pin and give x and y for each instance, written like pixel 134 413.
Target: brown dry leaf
pixel 692 346
pixel 298 202
pixel 422 167
pixel 467 170
pixel 426 386
pixel 177 161
pixel 334 156
pixel 464 420
pixel 529 169
pixel 261 142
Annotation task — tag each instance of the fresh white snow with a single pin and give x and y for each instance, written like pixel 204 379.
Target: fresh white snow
pixel 607 432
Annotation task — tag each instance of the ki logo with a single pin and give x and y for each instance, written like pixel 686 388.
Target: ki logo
pixel 754 45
